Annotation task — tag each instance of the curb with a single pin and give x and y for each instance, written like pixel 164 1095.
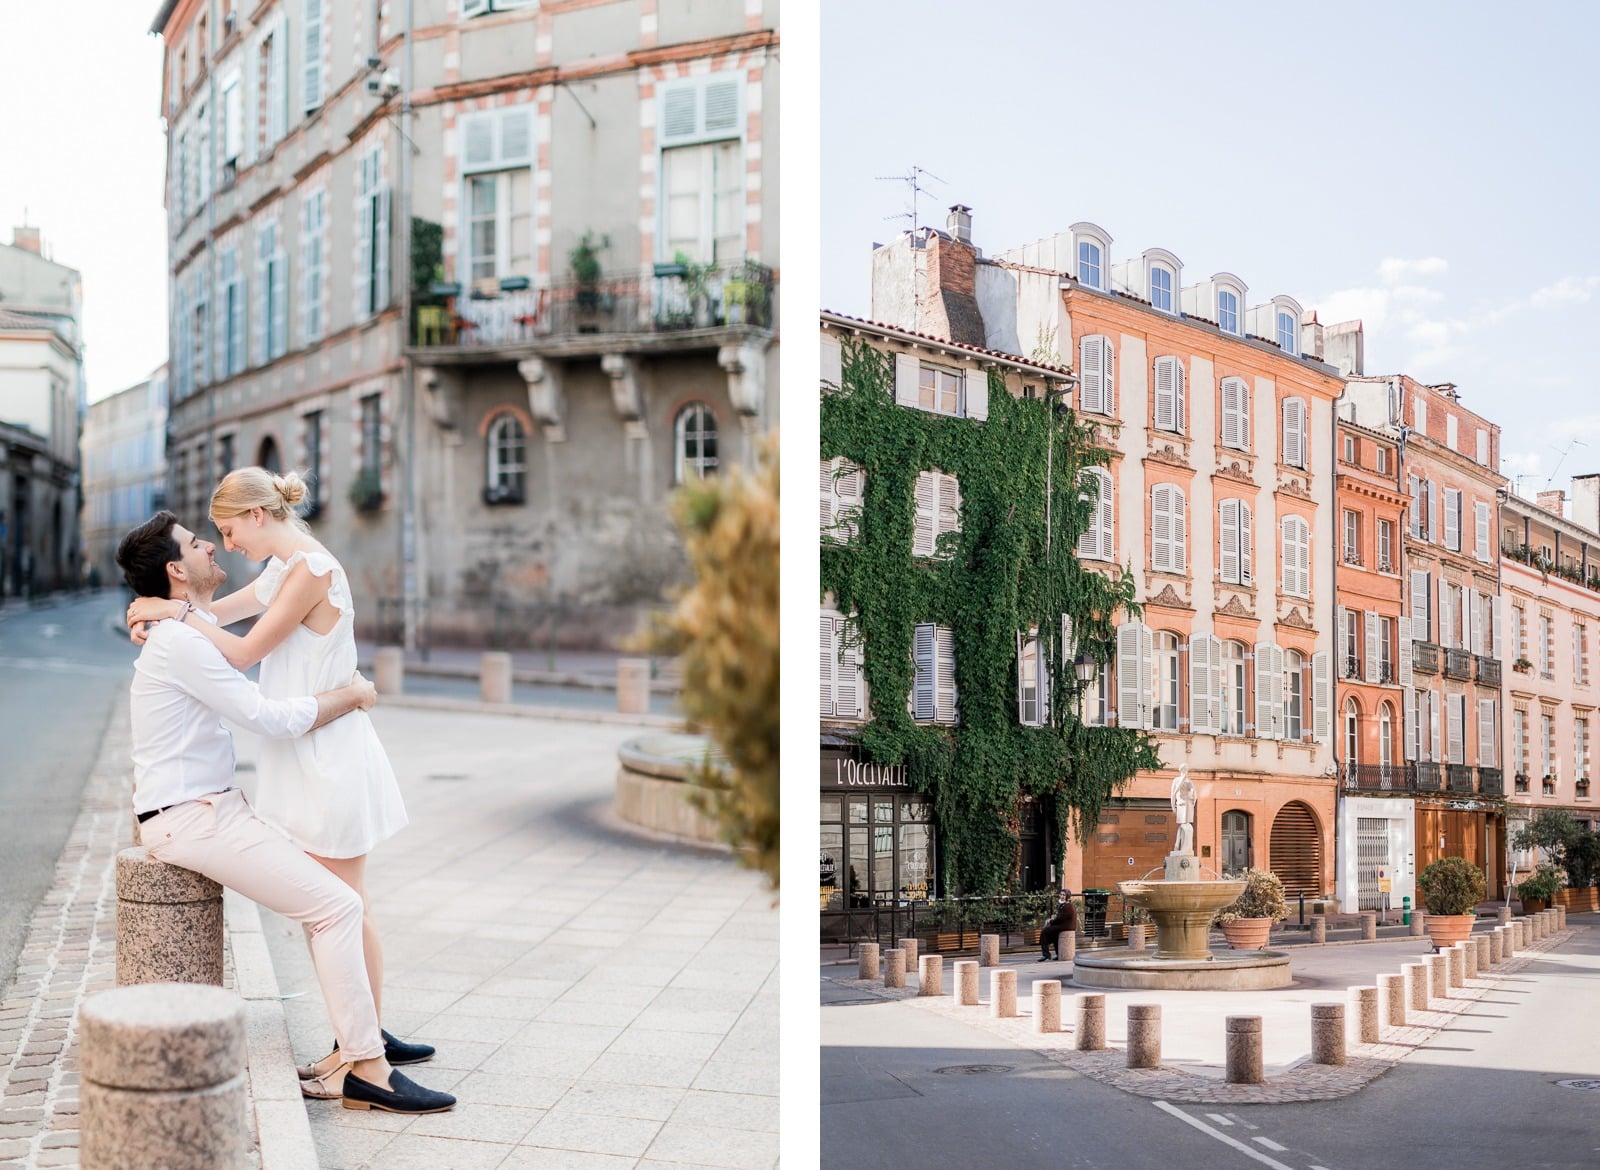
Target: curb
pixel 546 678
pixel 283 1131
pixel 528 711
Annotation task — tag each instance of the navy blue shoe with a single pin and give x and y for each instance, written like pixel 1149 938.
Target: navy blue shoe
pixel 399 1052
pixel 402 1096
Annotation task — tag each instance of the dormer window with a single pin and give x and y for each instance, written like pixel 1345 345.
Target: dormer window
pixel 1091 251
pixel 1288 332
pixel 1161 288
pixel 1089 264
pixel 1228 312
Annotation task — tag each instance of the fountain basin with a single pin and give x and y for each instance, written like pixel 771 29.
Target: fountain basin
pixel 1140 970
pixel 1182 912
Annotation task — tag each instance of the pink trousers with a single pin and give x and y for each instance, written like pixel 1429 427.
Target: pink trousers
pixel 221 837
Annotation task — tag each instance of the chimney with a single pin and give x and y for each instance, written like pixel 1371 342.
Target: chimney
pixel 1343 346
pixel 960 222
pixel 949 305
pixel 1553 501
pixel 26 238
pixel 1586 501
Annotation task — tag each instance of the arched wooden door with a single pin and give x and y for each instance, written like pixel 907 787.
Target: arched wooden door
pixel 1296 850
pixel 1235 840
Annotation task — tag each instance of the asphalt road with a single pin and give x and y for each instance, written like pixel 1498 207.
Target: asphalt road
pixel 61 668
pixel 1484 1094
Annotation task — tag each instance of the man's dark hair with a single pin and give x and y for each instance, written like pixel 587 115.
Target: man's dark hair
pixel 145 553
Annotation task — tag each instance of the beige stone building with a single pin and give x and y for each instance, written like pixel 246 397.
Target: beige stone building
pixel 124 470
pixel 499 279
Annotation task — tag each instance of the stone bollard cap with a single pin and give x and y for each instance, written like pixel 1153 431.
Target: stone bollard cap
pixel 1047 987
pixel 1003 975
pixel 1243 1024
pixel 1326 1011
pixel 162 1036
pixel 1092 999
pixel 1144 1011
pixel 141 878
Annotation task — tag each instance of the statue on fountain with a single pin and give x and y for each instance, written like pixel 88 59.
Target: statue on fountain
pixel 1181 865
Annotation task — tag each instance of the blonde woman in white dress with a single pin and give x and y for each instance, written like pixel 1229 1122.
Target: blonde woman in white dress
pixel 332 792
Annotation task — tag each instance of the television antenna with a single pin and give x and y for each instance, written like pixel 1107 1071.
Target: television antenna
pixel 913 180
pixel 1565 451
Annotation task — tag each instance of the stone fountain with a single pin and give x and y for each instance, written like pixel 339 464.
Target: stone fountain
pixel 1182 904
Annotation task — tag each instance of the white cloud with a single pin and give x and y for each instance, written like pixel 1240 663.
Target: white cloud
pixel 1392 270
pixel 1568 289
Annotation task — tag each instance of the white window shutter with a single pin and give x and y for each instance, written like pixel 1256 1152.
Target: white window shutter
pixel 1180 547
pixel 832 362
pixel 1228 523
pixel 1147 654
pixel 1403 673
pixel 1290 448
pixel 278 338
pixel 474 7
pixel 1434 727
pixel 1199 681
pixel 380 298
pixel 1130 695
pixel 1409 713
pixel 828 665
pixel 1246 538
pixel 949 518
pixel 1266 717
pixel 1452 519
pixel 1161 528
pixel 1286 557
pixel 1372 671
pixel 976 385
pixel 1341 638
pixel 1433 511
pixel 1421 596
pixel 907 370
pixel 278 81
pixel 1446 631
pixel 1166 394
pixel 1108 359
pixel 1481 515
pixel 1179 406
pixel 363 280
pixel 1218 681
pixel 1495 614
pixel 259 325
pixel 927 518
pixel 945 678
pixel 1106 518
pixel 1455 710
pixel 311 60
pixel 1091 376
pixel 850 492
pixel 922 687
pixel 1488 755
pixel 1321 696
pixel 825 493
pixel 1231 413
pixel 1024 644
pixel 1480 620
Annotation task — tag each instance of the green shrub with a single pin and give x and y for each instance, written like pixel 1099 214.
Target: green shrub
pixel 1544 883
pixel 1452 885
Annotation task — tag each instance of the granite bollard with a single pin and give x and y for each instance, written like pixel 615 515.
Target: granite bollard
pixel 1089 1021
pixel 1047 1005
pixel 1327 1033
pixel 1369 924
pixel 633 686
pixel 494 671
pixel 1002 993
pixel 1364 1005
pixel 169 922
pixel 1244 1062
pixel 1438 976
pixel 1319 928
pixel 1469 958
pixel 1137 933
pixel 1561 917
pixel 867 961
pixel 1392 994
pixel 967 982
pixel 894 968
pixel 988 950
pixel 1144 1035
pixel 1067 946
pixel 930 975
pixel 909 946
pixel 389 670
pixel 1456 961
pixel 1485 955
pixel 1496 939
pixel 1419 923
pixel 1416 986
pixel 1508 939
pixel 163 1079
pixel 1503 915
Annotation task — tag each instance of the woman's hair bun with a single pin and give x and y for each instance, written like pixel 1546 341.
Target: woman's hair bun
pixel 291 487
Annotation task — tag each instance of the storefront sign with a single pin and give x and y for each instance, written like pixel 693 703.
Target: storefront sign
pixel 842 773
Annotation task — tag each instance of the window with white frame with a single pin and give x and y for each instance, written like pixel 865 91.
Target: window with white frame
pixel 497 195
pixel 372 263
pixel 311 71
pixel 1419 414
pixel 1097 363
pixel 1294 665
pixel 938 511
pixel 1348 448
pixel 1288 334
pixel 1033 680
pixel 1096 700
pixel 1488 733
pixel 843 489
pixel 939 389
pixel 1385 735
pixel 272 295
pixel 844 681
pixel 1352 537
pixel 933 686
pixel 1161 288
pixel 232 100
pixel 1293 450
pixel 1234 695
pixel 1350 642
pixel 1580 653
pixel 1234 537
pixel 272 84
pixel 1235 414
pixel 1164 683
pixel 1381 459
pixel 1169 548
pixel 506 460
pixel 1228 311
pixel 1096 543
pixel 694 443
pixel 700 129
pixel 1352 733
pixel 1519 740
pixel 232 321
pixel 1296 578
pixel 1547 743
pixel 1452 519
pixel 1547 646
pixel 1385 546
pixel 1482 529
pixel 1580 747
pixel 1089 264
pixel 1170 412
pixel 313 222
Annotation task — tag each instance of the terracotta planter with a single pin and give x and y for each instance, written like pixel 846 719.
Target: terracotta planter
pixel 1247 934
pixel 1534 905
pixel 1448 929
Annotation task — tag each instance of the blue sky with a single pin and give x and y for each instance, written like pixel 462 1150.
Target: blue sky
pixel 1428 167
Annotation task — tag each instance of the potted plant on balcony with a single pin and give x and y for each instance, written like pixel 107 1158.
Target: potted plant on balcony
pixel 1539 890
pixel 585 261
pixel 697 287
pixel 1246 922
pixel 1451 889
pixel 1522 666
pixel 366 491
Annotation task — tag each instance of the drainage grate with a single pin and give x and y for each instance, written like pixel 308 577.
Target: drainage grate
pixel 1587 1085
pixel 969 1070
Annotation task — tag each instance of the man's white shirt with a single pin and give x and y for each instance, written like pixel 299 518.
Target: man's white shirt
pixel 182 689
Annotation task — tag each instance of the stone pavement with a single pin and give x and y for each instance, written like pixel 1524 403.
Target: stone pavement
pixel 598 999
pixel 1193 1023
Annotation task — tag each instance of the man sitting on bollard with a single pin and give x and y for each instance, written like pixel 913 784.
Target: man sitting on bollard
pixel 191 815
pixel 1066 919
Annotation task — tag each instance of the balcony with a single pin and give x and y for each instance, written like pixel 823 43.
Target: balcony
pixel 1352 557
pixel 1488 671
pixel 1521 782
pixel 1491 782
pixel 1458 664
pixel 1428 777
pixel 1425 658
pixel 1548 786
pixel 1352 667
pixel 670 310
pixel 1459 777
pixel 1376 777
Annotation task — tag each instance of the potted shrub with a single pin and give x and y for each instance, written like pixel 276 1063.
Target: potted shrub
pixel 585 261
pixel 1247 921
pixel 1539 890
pixel 366 491
pixel 1451 889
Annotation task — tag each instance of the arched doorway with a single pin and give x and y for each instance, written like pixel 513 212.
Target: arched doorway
pixel 1296 849
pixel 267 456
pixel 1235 840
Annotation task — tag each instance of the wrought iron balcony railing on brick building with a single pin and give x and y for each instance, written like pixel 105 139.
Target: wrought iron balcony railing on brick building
pixel 1459 777
pixel 1491 782
pixel 1488 671
pixel 1458 664
pixel 1425 657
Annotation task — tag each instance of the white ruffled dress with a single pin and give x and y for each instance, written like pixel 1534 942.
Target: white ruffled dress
pixel 332 791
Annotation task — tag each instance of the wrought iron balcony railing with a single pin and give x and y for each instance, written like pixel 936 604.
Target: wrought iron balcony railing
pixel 1491 782
pixel 1457 664
pixel 1459 777
pixel 1425 657
pixel 1377 777
pixel 1428 775
pixel 1488 671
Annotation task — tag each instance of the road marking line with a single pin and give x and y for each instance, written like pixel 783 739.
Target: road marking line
pixel 1270 1144
pixel 1219 1119
pixel 1248 1151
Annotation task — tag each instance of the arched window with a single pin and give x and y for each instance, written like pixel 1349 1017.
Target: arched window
pixel 506 451
pixel 695 442
pixel 267 456
pixel 1352 738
